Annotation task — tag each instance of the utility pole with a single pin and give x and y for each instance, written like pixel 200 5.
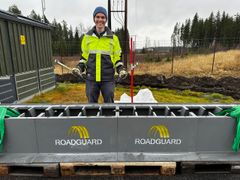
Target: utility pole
pixel 126 35
pixel 43 10
pixel 125 40
pixel 109 15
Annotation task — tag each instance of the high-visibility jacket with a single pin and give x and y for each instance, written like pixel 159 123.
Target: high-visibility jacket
pixel 101 55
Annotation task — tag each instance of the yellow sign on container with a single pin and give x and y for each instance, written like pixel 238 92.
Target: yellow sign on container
pixel 22 39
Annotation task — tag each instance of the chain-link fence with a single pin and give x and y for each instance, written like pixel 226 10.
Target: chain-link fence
pixel 198 57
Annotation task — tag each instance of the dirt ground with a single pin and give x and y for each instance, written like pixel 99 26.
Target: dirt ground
pixel 227 85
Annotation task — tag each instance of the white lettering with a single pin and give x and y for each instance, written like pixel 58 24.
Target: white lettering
pixel 152 141
pixel 77 142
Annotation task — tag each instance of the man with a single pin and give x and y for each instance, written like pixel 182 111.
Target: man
pixel 101 55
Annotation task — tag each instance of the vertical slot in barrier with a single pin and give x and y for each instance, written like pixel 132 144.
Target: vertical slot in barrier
pixel 66 111
pixel 24 111
pixel 167 111
pixel 61 114
pixel 225 107
pixel 108 111
pixel 144 111
pixel 39 110
pixel 197 111
pixel 176 111
pixel 184 111
pixel 41 115
pixel 202 111
pixel 91 111
pixel 211 110
pixel 73 111
pixel 126 111
pixel 217 109
pixel 54 111
pixel 35 111
pixel 32 112
pixel 160 110
pixel 210 114
pixel 192 114
pixel 49 111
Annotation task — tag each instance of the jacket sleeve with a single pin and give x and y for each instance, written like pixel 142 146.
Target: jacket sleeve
pixel 117 54
pixel 84 53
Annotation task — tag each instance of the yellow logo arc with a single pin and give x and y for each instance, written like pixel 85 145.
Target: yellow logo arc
pixel 79 130
pixel 159 130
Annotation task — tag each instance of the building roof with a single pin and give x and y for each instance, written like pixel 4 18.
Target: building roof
pixel 22 19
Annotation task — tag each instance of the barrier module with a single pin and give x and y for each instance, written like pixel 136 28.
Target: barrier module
pixel 118 133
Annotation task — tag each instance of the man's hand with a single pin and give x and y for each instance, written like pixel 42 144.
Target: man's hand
pixel 123 74
pixel 77 72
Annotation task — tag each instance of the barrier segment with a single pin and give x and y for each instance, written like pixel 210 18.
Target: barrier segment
pixel 119 132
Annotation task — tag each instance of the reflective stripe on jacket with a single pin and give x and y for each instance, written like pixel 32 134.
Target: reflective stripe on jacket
pixel 101 55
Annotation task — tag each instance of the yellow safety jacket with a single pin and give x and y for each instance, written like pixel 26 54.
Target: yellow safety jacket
pixel 101 55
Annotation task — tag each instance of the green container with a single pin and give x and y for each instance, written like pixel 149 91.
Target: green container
pixel 26 55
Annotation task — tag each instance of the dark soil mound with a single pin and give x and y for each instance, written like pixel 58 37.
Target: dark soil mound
pixel 227 85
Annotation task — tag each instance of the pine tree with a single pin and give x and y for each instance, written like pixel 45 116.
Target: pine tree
pixel 194 32
pixel 55 39
pixel 14 9
pixel 186 33
pixel 33 15
pixel 218 25
pixel 45 20
pixel 70 42
pixel 77 41
pixel 120 33
pixel 222 29
pixel 174 35
pixel 65 38
pixel 237 29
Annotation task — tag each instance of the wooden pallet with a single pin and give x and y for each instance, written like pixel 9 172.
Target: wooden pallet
pixel 118 168
pixel 210 167
pixel 43 170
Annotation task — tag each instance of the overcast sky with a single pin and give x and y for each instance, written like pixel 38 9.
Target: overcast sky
pixel 154 19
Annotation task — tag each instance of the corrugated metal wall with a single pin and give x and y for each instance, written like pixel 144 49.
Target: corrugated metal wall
pixel 25 53
pixel 5 56
pixel 7 89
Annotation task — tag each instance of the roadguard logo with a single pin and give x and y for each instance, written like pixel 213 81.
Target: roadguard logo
pixel 159 135
pixel 83 138
pixel 80 130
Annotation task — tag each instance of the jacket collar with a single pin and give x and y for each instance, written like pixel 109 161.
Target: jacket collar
pixel 107 33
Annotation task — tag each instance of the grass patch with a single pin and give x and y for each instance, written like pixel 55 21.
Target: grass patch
pixel 226 64
pixel 67 93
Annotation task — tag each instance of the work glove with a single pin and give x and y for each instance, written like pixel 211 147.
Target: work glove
pixel 123 74
pixel 78 73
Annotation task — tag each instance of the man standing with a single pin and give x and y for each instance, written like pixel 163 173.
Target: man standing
pixel 101 55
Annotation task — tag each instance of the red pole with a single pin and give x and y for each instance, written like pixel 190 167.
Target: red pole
pixel 132 69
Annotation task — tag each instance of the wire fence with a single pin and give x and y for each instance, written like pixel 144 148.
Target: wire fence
pixel 196 57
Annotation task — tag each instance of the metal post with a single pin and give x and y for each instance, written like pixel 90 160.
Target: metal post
pixel 109 15
pixel 172 59
pixel 132 69
pixel 214 54
pixel 125 36
pixel 43 10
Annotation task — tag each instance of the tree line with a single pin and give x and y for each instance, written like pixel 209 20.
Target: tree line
pixel 220 30
pixel 65 40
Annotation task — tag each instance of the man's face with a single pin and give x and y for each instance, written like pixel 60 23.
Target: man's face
pixel 100 20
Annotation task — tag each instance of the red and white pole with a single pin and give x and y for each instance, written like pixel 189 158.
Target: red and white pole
pixel 132 69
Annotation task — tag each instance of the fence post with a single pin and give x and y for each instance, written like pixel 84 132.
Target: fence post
pixel 214 54
pixel 172 59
